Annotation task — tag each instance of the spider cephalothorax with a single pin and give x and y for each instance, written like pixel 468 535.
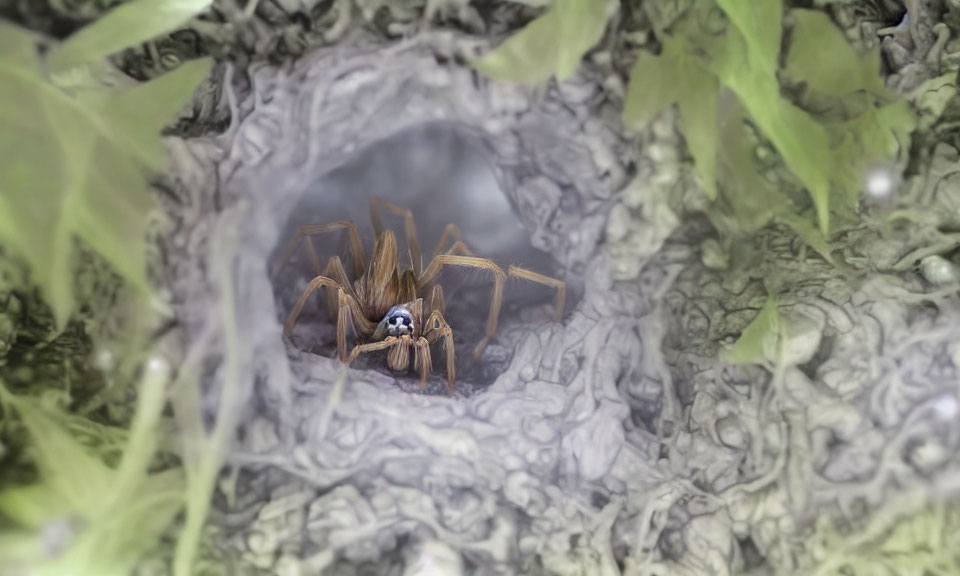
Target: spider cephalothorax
pixel 397 322
pixel 395 309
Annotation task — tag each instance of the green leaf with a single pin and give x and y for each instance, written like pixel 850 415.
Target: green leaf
pixel 759 340
pixel 656 82
pixel 167 96
pixel 652 88
pixel 760 24
pixel 751 199
pixel 20 549
pixel 115 543
pixel 73 167
pixel 844 72
pixel 30 192
pixel 801 141
pixel 808 232
pixel 698 120
pixel 551 45
pixel 876 137
pixel 64 464
pixel 32 506
pixel 127 25
pixel 582 24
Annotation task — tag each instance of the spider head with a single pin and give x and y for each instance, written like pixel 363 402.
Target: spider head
pixel 399 321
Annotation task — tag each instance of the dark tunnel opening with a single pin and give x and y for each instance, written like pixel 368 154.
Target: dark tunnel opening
pixel 443 176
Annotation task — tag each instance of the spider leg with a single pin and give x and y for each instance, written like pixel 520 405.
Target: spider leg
pixel 371 347
pixel 335 271
pixel 306 232
pixel 422 360
pixel 496 298
pixel 436 303
pixel 347 310
pixel 437 328
pixel 458 247
pixel 561 294
pixel 409 228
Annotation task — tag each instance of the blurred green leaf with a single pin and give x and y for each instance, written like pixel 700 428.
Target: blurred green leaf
pixel 18 550
pixel 142 441
pixel 675 76
pixel 751 200
pixel 760 24
pixel 65 466
pixel 698 119
pixel 32 506
pixel 808 232
pixel 72 166
pixel 758 342
pixel 551 45
pixel 144 110
pixel 116 543
pixel 652 88
pixel 844 72
pixel 874 138
pixel 127 25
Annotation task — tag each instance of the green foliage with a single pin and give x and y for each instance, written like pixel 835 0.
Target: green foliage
pixel 920 540
pixel 815 35
pixel 827 151
pixel 758 344
pixel 551 45
pixel 122 511
pixel 72 165
pixel 829 156
pixel 127 25
pixel 76 149
pixel 749 70
pixel 676 76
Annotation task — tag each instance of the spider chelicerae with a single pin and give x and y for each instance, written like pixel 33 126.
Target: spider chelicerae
pixel 398 309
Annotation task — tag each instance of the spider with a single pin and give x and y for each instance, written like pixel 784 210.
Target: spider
pixel 398 309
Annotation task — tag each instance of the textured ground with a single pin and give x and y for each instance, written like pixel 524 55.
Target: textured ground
pixel 615 443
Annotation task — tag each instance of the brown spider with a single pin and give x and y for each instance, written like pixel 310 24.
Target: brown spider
pixel 385 303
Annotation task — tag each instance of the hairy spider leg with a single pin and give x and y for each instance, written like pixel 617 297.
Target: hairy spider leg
pixel 335 271
pixel 306 232
pixel 435 328
pixel 371 347
pixel 409 229
pixel 561 287
pixel 399 354
pixel 348 310
pixel 436 302
pixel 422 360
pixel 452 231
pixel 496 298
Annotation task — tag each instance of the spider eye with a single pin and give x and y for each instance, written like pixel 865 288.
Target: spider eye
pixel 392 321
pixel 436 323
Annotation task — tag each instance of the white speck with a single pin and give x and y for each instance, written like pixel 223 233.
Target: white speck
pixel 56 536
pixel 157 364
pixel 938 270
pixel 104 360
pixel 946 407
pixel 880 183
